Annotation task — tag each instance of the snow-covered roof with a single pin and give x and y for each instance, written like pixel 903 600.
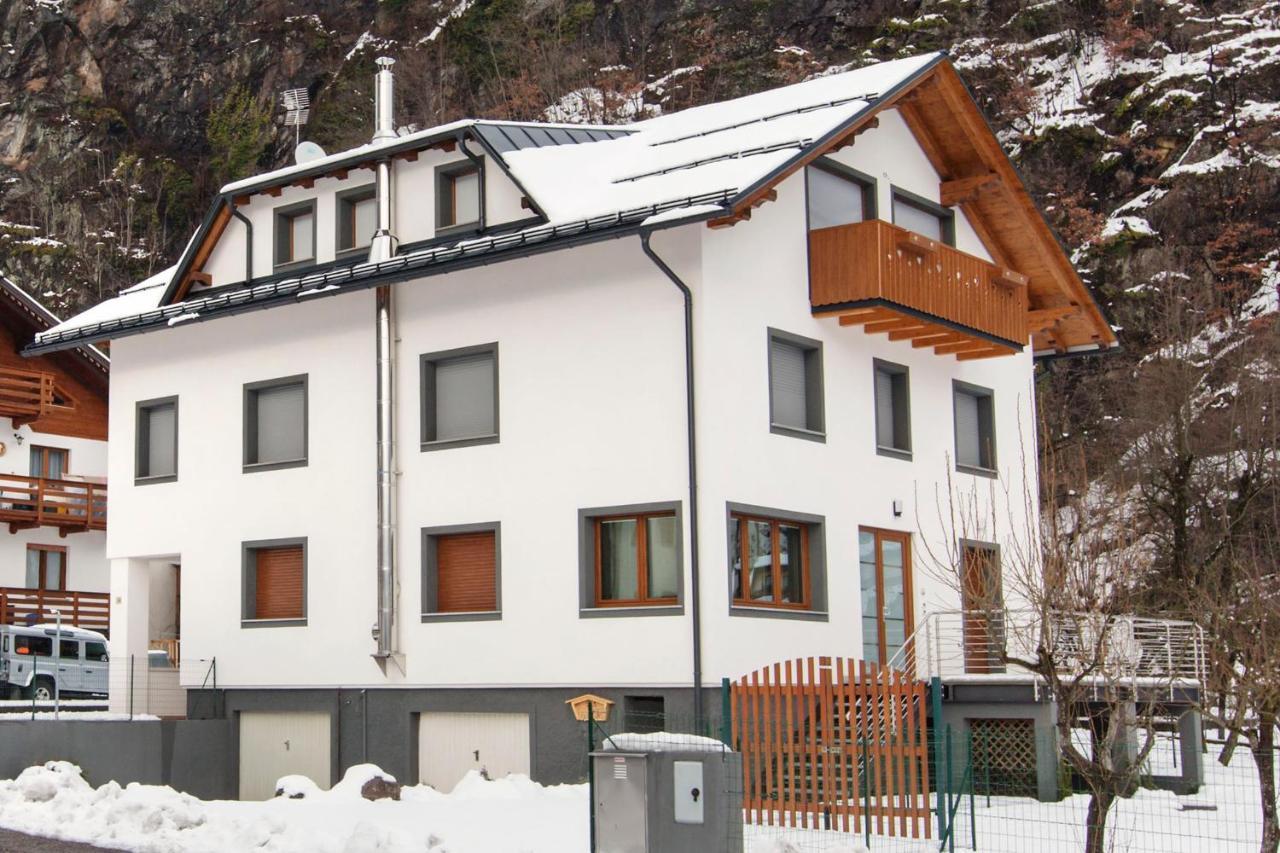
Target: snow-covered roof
pixel 589 182
pixel 45 319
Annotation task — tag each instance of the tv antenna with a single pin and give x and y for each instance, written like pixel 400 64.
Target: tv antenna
pixel 297 109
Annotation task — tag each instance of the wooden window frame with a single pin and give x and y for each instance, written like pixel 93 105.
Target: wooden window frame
pixel 908 586
pixel 642 553
pixel 430 569
pixel 447 197
pixel 44 551
pixel 806 603
pixel 44 459
pixel 249 577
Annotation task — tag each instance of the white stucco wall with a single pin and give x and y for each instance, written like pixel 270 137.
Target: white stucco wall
pixel 87 569
pixel 591 414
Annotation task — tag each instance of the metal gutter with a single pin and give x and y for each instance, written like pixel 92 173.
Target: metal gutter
pixel 362 276
pixel 248 243
pixel 695 598
pixel 478 162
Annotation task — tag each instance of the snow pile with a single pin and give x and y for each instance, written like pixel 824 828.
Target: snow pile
pixel 662 742
pixel 480 816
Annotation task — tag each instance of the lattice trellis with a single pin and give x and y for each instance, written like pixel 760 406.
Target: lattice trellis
pixel 1004 756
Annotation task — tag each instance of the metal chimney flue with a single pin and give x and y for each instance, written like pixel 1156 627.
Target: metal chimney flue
pixel 383 247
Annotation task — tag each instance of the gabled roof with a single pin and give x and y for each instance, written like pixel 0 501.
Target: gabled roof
pixel 34 318
pixel 712 162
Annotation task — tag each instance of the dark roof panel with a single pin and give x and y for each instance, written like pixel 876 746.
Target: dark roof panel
pixel 514 136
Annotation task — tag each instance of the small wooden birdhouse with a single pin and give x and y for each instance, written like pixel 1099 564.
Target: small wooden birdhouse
pixel 598 704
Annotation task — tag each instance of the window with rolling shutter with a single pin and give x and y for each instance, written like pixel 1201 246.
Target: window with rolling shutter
pixel 156 457
pixel 275 423
pixel 461 572
pixel 460 397
pixel 275 581
pixel 795 386
pixel 975 428
pixel 892 410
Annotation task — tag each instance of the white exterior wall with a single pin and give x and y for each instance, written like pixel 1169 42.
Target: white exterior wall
pixel 414 212
pixel 87 569
pixel 591 413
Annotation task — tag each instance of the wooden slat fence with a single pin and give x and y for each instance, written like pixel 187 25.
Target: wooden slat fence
pixel 830 742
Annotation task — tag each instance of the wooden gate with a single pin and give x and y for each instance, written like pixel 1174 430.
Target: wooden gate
pixel 830 742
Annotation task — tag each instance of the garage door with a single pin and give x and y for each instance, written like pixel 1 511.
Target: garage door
pixel 451 744
pixel 281 743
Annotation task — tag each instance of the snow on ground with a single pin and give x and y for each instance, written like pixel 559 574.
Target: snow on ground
pixel 516 815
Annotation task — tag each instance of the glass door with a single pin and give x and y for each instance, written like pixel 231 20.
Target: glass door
pixel 887 614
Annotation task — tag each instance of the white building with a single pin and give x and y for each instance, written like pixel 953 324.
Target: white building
pixel 845 278
pixel 53 474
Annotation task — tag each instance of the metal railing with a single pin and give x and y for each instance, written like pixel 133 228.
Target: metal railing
pixel 952 644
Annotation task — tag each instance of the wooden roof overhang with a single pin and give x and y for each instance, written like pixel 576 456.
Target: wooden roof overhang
pixel 977 177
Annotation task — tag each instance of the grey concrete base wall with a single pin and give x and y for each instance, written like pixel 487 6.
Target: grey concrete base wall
pixel 190 755
pixel 1044 714
pixel 380 726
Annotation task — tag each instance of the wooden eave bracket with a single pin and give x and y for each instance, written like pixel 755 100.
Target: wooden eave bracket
pixel 965 190
pixel 848 139
pixel 200 276
pixel 917 244
pixel 1040 319
pixel 1007 278
pixel 745 213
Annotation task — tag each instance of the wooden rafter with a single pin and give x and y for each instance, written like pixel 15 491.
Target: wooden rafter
pixel 969 344
pixel 1040 319
pixel 961 190
pixel 990 352
pixel 895 324
pixel 867 316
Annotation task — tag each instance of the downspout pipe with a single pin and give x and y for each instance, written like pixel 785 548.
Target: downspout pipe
pixel 383 247
pixel 695 594
pixel 248 241
pixel 479 163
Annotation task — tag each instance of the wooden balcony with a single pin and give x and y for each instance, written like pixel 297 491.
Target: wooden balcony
pixel 25 395
pixel 72 506
pixel 91 610
pixel 891 280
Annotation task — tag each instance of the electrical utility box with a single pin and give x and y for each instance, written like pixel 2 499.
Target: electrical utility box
pixel 668 802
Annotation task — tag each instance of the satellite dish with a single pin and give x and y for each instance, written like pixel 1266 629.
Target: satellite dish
pixel 307 152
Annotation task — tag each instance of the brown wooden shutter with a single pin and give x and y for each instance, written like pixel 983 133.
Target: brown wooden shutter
pixel 279 583
pixel 466 572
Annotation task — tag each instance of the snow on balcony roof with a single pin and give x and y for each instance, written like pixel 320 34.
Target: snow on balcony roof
pixel 680 167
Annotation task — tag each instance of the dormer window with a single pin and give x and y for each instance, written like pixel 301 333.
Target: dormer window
pixel 296 234
pixel 924 217
pixel 838 195
pixel 457 197
pixel 357 218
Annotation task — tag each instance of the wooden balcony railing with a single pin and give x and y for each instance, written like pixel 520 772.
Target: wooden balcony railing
pixel 91 610
pixel 896 281
pixel 25 395
pixel 72 506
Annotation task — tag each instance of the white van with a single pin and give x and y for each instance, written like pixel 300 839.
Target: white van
pixel 30 665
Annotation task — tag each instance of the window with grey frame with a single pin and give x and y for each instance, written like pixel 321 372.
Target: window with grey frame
pixel 460 397
pixel 275 423
pixel 892 409
pixel 838 195
pixel 776 563
pixel 295 234
pixel 462 572
pixel 156 453
pixel 631 560
pixel 975 428
pixel 795 386
pixel 458 196
pixel 357 218
pixel 273 582
pixel 924 217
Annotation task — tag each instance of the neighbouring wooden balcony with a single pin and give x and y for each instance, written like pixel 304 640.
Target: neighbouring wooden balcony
pixel 25 395
pixel 91 610
pixel 72 506
pixel 892 280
